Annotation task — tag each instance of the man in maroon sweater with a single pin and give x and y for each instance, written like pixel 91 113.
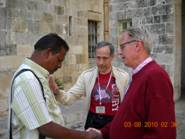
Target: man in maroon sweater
pixel 147 110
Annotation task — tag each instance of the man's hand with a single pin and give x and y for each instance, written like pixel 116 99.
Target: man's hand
pixel 52 84
pixel 94 133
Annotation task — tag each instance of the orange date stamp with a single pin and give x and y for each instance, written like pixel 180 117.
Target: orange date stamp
pixel 148 124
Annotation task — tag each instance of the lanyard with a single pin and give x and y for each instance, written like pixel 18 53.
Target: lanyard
pixel 99 88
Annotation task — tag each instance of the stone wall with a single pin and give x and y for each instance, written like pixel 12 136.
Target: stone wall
pixel 23 22
pixel 158 16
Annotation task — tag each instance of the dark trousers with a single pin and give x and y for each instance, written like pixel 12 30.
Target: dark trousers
pixel 96 120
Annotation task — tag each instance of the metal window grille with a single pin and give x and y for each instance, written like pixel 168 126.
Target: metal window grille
pixel 124 24
pixel 92 38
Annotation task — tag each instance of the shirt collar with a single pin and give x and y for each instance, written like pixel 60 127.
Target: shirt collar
pixel 140 66
pixel 36 67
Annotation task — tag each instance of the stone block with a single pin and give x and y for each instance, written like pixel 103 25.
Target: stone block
pixel 23 38
pixel 48 1
pixel 169 50
pixel 32 5
pixel 70 59
pixel 167 18
pixel 164 39
pixel 149 20
pixel 20 4
pixel 79 58
pixel 33 26
pixel 2 3
pixel 165 59
pixel 138 13
pixel 77 49
pixel 157 28
pixel 4 127
pixel 3 106
pixel 152 2
pixel 2 12
pixel 162 10
pixel 141 3
pixel 147 12
pixel 59 10
pixel 58 28
pixel 129 13
pixel 19 24
pixel 165 49
pixel 94 5
pixel 157 19
pixel 12 12
pixel 2 39
pixel 67 79
pixel 169 1
pixel 120 15
pixel 45 27
pixel 8 50
pixel 11 49
pixel 47 17
pixel 170 28
pixel 7 64
pixel 5 79
pixel 170 9
pixel 82 13
pixel 24 50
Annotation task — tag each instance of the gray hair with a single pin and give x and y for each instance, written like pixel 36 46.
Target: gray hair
pixel 103 44
pixel 141 34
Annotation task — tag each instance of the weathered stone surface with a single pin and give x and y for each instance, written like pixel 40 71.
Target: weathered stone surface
pixel 19 24
pixel 152 2
pixel 59 10
pixel 142 3
pixel 157 28
pixel 32 5
pixel 2 3
pixel 157 16
pixel 157 19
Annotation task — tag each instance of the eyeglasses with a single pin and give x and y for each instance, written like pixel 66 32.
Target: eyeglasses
pixel 123 45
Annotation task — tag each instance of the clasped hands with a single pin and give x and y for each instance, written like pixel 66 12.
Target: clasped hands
pixel 94 133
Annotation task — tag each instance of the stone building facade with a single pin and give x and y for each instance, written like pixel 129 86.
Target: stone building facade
pixel 23 22
pixel 163 19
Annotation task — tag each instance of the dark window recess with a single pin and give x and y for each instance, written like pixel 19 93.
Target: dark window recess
pixel 92 37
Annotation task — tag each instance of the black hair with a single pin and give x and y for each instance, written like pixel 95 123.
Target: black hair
pixel 52 41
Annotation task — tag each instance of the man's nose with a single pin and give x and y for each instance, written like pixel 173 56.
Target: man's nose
pixel 101 61
pixel 59 65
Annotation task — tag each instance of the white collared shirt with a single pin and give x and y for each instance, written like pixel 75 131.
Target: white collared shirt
pixel 140 66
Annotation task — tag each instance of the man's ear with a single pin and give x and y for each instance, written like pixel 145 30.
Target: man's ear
pixel 139 45
pixel 47 53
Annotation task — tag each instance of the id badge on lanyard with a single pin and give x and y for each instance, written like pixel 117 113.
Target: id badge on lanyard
pixel 100 109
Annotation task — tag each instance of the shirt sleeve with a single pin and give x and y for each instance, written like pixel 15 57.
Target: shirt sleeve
pixel 28 103
pixel 105 131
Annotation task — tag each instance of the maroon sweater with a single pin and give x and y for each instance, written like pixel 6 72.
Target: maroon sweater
pixel 147 111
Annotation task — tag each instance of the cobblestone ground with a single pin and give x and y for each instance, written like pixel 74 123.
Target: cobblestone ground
pixel 180 118
pixel 74 121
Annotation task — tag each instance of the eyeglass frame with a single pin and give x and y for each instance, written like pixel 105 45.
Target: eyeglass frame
pixel 122 46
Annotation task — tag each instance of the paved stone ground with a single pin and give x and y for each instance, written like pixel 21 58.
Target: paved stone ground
pixel 180 118
pixel 73 116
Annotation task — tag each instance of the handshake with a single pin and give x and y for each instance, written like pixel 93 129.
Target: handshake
pixel 94 133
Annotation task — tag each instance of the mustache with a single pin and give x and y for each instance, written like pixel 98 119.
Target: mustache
pixel 102 66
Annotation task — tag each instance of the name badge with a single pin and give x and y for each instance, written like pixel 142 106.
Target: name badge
pixel 100 109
